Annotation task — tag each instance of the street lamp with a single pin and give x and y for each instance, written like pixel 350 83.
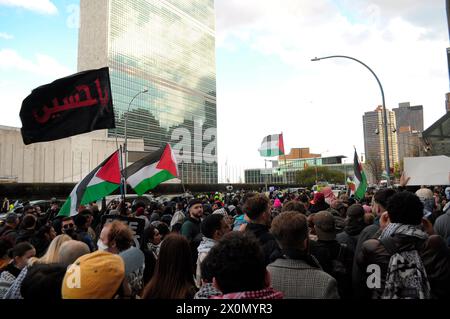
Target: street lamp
pixel 125 145
pixel 393 129
pixel 386 143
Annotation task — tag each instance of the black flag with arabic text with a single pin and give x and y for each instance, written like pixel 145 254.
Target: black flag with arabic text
pixel 76 104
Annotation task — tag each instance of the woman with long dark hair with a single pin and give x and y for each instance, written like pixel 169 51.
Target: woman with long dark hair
pixel 173 277
pixel 152 241
pixel 19 255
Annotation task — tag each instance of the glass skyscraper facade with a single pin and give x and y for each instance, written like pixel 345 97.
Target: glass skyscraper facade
pixel 168 48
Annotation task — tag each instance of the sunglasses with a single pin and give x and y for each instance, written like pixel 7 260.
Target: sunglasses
pixel 67 226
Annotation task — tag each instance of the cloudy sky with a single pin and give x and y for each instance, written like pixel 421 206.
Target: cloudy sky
pixel 266 82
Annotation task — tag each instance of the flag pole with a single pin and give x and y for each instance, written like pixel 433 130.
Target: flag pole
pixel 354 173
pixel 284 153
pixel 181 179
pixel 349 191
pixel 123 184
pixel 184 190
pixel 265 173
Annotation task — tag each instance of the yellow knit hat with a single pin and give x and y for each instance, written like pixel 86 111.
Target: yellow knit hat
pixel 94 276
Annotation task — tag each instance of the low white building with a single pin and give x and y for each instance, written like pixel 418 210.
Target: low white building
pixel 63 161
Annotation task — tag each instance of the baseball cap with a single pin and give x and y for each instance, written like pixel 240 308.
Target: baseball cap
pixel 94 276
pixel 193 202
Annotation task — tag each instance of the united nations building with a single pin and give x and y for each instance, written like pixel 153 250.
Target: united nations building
pixel 162 54
pixel 161 59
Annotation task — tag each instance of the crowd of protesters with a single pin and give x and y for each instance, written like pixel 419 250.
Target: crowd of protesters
pixel 244 245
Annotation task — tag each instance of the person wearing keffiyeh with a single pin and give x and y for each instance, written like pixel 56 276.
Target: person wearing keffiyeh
pixel 405 229
pixel 267 293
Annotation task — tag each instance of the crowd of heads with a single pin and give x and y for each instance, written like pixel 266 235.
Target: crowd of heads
pixel 210 246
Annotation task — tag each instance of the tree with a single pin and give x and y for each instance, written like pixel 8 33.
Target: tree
pixel 397 170
pixel 374 166
pixel 308 176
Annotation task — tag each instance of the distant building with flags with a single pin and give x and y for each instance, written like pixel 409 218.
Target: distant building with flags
pixel 297 159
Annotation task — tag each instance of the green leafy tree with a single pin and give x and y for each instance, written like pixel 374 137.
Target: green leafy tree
pixel 397 170
pixel 309 176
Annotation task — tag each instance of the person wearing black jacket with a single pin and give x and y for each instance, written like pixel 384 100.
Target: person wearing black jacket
pixel 81 229
pixel 335 259
pixel 53 211
pixel 28 228
pixel 380 200
pixel 191 228
pixel 318 203
pixel 403 226
pixel 257 209
pixel 9 230
pixel 42 239
pixel 354 225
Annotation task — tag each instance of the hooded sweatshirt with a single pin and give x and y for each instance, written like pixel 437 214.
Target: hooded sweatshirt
pixel 203 249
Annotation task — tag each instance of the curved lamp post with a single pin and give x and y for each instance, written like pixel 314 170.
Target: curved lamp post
pixel 125 144
pixel 386 143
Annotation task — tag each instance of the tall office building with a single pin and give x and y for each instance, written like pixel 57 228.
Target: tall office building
pixel 374 140
pixel 447 100
pixel 437 136
pixel 447 95
pixel 168 48
pixel 409 127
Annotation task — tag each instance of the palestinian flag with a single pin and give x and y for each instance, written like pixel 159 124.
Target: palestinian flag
pixel 102 181
pixel 152 170
pixel 360 179
pixel 272 145
pixel 351 185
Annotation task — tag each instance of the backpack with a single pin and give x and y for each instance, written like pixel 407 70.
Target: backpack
pixel 338 268
pixel 406 277
pixel 341 271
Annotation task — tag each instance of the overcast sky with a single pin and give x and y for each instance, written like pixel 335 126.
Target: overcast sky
pixel 266 83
